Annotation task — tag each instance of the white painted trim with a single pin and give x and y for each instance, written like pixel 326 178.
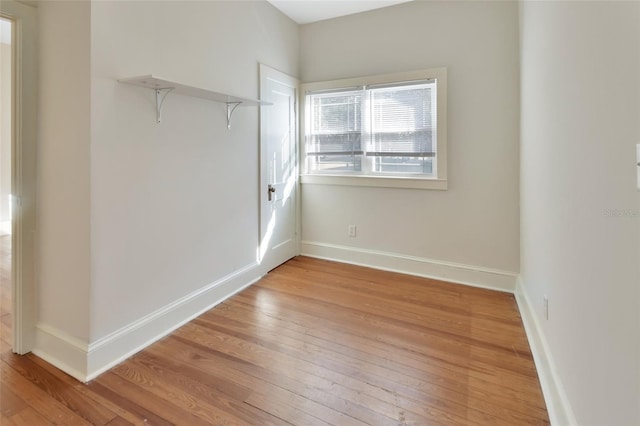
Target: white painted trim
pixel 23 174
pixel 439 182
pixel 114 348
pixel 61 350
pixel 558 406
pixel 86 361
pixel 375 181
pixel 475 276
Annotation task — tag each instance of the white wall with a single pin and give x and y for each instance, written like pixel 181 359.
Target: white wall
pixel 142 225
pixel 63 252
pixel 580 65
pixel 476 222
pixel 175 205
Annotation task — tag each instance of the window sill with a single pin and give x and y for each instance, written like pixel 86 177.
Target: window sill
pixel 376 181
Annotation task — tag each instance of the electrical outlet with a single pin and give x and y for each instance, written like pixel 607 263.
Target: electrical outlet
pixel 546 307
pixel 351 231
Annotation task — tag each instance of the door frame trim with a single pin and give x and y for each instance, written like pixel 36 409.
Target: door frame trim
pixel 23 171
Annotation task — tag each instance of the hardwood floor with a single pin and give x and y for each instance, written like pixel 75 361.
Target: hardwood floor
pixel 313 343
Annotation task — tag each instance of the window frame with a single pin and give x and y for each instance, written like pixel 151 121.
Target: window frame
pixel 437 182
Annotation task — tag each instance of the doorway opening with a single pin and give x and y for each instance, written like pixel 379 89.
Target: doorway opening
pixel 7 42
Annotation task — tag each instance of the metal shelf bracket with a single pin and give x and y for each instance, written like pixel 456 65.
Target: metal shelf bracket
pixel 231 107
pixel 161 94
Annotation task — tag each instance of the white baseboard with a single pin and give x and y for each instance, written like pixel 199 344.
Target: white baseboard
pixel 475 276
pixel 86 361
pixel 558 407
pixel 61 350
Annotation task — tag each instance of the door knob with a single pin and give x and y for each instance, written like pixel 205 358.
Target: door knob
pixel 270 190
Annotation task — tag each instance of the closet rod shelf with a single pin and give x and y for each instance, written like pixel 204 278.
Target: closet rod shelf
pixel 163 87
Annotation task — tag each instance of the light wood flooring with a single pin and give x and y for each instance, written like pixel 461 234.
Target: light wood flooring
pixel 313 343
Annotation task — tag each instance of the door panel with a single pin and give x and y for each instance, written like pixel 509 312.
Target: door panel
pixel 279 170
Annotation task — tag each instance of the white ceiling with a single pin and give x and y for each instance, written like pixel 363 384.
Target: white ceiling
pixel 306 11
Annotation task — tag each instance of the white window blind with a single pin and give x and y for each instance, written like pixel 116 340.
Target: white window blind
pixel 373 130
pixel 335 140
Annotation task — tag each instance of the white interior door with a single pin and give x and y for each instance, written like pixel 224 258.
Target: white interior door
pixel 278 168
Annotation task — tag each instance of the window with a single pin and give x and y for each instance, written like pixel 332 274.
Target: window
pixel 377 131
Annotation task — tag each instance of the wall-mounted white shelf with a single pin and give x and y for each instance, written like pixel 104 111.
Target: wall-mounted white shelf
pixel 163 87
